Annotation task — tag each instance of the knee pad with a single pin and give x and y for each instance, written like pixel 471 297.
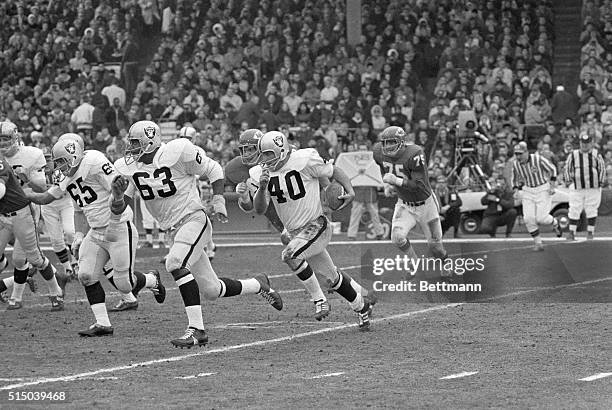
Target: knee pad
pixel 122 282
pixel 294 263
pixel 398 237
pixel 210 292
pixel 40 263
pixel 87 277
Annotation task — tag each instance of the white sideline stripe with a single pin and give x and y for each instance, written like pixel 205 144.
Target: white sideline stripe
pixel 276 340
pixel 457 375
pixel 16 379
pixel 194 376
pixel 77 376
pixel 595 377
pixel 325 375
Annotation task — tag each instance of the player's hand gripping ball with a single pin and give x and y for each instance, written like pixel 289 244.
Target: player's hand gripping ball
pixel 333 192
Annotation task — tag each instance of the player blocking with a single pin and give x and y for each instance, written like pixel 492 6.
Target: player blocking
pixel 290 180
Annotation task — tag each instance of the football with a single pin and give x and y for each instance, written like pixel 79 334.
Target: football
pixel 332 192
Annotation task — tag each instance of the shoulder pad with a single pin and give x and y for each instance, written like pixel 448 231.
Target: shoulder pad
pixel 91 158
pixel 236 171
pixel 299 159
pixel 170 153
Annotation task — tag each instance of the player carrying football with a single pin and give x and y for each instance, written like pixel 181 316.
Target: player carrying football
pixel 290 180
pixel 164 176
pixel 87 177
pixel 237 172
pixel 19 217
pixel 406 174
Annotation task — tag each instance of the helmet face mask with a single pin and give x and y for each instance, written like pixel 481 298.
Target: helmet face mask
pixel 143 138
pixel 67 156
pixel 392 140
pixel 9 138
pixel 248 144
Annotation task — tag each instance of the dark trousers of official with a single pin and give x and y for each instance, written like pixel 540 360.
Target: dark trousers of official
pixel 491 222
pixel 452 216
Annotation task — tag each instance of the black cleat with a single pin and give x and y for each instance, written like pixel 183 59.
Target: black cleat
pixel 270 295
pixel 322 309
pixel 364 316
pixel 124 305
pixel 159 291
pixel 192 337
pixel 97 330
pixel 57 303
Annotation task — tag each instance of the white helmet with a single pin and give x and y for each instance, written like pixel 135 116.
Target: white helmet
pixel 187 132
pixel 74 137
pixel 143 137
pixel 274 149
pixel 67 156
pixel 9 138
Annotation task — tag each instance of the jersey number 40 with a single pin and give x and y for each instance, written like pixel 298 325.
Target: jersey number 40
pixel 275 189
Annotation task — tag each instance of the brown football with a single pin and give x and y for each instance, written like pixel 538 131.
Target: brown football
pixel 332 192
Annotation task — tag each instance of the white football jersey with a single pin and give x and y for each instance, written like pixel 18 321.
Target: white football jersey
pixel 168 185
pixel 31 162
pixel 91 189
pixel 294 189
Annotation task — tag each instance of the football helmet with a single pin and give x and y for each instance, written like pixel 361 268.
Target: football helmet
pixel 67 156
pixel 143 137
pixel 187 132
pixel 274 150
pixel 392 139
pixel 9 138
pixel 248 145
pixel 74 137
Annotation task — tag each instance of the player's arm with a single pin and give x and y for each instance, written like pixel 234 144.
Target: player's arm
pixel 414 172
pixel 46 197
pixel 197 163
pixel 343 179
pixel 262 197
pixel 246 191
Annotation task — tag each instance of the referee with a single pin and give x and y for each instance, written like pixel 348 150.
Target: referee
pixel 535 177
pixel 585 172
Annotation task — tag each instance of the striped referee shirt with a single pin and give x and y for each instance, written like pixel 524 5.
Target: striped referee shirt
pixel 586 170
pixel 533 173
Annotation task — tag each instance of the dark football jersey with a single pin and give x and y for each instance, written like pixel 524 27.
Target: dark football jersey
pixel 411 164
pixel 14 199
pixel 236 172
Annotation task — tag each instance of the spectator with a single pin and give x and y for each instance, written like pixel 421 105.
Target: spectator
pixel 113 91
pixel 365 200
pixel 82 117
pixel 563 105
pixel 450 204
pixel 116 118
pixel 172 111
pixel 500 209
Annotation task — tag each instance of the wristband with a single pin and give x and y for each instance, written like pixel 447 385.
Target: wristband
pixel 118 206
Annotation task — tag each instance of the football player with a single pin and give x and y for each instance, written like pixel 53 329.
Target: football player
pixel 23 167
pixel 87 177
pixel 290 180
pixel 406 175
pixel 164 176
pixel 237 172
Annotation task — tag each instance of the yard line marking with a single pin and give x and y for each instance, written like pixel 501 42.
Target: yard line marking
pixel 595 377
pixel 15 379
pixel 287 338
pixel 195 376
pixel 325 375
pixel 457 375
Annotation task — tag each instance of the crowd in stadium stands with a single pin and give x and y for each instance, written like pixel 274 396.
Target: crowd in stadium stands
pixel 224 66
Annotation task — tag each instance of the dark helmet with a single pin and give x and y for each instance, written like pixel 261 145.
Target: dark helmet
pixel 248 145
pixel 392 140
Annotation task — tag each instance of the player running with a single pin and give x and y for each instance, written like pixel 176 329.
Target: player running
pixel 237 172
pixel 164 176
pixel 87 177
pixel 290 180
pixel 23 167
pixel 406 174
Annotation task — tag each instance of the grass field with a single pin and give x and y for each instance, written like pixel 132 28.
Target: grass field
pixel 544 323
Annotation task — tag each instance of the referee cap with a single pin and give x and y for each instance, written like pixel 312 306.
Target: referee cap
pixel 520 147
pixel 585 137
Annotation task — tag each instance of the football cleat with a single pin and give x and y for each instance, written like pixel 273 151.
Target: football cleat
pixel 74 273
pixel 14 304
pixel 364 316
pixel 97 330
pixel 192 337
pixel 159 291
pixel 571 236
pixel 32 284
pixel 124 305
pixel 557 228
pixel 57 303
pixel 270 295
pixel 322 309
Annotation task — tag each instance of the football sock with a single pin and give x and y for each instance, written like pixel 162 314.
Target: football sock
pixel 150 280
pixel 591 225
pixel 129 297
pixel 20 277
pixel 63 256
pixel 96 298
pixel 229 287
pixel 149 235
pixel 344 289
pixel 190 292
pixel 6 282
pixel 309 280
pixel 3 262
